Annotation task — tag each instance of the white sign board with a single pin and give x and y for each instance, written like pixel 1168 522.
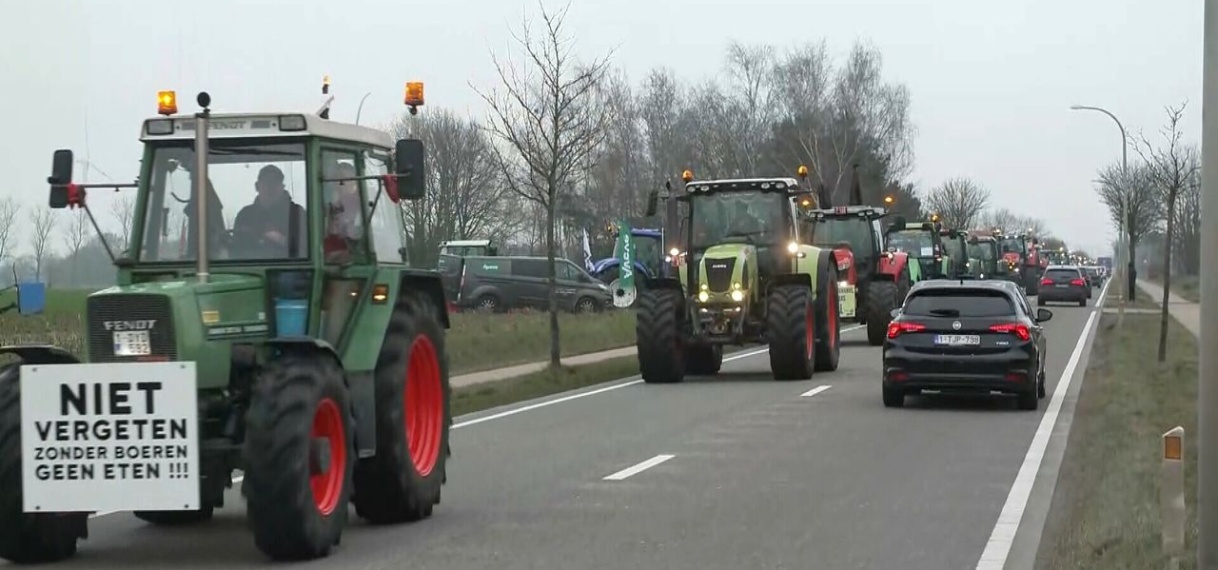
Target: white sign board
pixel 110 437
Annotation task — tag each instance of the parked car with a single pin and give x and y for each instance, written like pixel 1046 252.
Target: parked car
pixel 497 284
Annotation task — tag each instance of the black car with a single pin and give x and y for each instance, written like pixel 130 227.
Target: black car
pixel 1064 284
pixel 497 284
pixel 1094 276
pixel 966 336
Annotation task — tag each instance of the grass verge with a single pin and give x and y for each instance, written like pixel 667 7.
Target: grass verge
pixel 1105 510
pixel 544 383
pixel 476 342
pixel 1187 287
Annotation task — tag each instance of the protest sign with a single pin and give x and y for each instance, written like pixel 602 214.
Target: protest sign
pixel 110 437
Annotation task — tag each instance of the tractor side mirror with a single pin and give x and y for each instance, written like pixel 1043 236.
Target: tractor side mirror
pixel 61 177
pixel 410 167
pixel 653 203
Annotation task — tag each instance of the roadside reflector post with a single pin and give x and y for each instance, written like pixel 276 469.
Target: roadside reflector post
pixel 1171 496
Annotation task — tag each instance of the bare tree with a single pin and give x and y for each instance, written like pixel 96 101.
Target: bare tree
pixel 44 224
pixel 958 201
pixel 548 118
pixel 74 239
pixel 123 210
pixel 1172 167
pixel 1132 191
pixel 9 209
pixel 1188 228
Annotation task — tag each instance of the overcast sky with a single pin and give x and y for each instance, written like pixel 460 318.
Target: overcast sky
pixel 991 82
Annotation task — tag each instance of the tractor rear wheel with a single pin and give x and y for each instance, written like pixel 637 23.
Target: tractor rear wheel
pixel 413 417
pixel 881 300
pixel 828 318
pixel 658 323
pixel 703 359
pixel 27 538
pixel 299 456
pixel 790 328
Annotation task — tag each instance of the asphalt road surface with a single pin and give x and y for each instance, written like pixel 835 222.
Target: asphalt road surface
pixel 731 472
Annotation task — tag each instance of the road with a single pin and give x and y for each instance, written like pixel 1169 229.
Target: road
pixel 736 471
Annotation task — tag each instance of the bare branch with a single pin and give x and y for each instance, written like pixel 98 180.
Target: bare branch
pixel 9 210
pixel 959 201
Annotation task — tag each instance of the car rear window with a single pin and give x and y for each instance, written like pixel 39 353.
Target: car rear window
pixel 959 303
pixel 1062 274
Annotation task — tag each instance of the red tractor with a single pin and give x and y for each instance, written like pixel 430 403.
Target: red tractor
pixel 874 279
pixel 1021 254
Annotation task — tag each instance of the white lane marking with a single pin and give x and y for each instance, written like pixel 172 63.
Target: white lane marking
pixel 814 391
pixel 538 405
pixel 630 471
pixel 998 547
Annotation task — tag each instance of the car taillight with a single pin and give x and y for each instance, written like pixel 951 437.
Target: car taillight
pixel 1046 281
pixel 896 328
pixel 1078 282
pixel 1018 329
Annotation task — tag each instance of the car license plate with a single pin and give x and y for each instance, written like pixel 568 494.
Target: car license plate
pixel 1062 285
pixel 132 343
pixel 958 339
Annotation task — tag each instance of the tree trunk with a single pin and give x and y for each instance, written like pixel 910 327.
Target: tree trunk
pixel 1163 313
pixel 1131 276
pixel 555 348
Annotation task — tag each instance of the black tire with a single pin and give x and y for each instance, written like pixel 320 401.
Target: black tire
pixel 176 518
pixel 893 397
pixel 704 359
pixel 1082 302
pixel 488 303
pixel 27 538
pixel 881 300
pixel 586 306
pixel 389 487
pixel 659 316
pixel 1027 400
pixel 790 331
pixel 1041 389
pixel 287 521
pixel 1040 302
pixel 828 316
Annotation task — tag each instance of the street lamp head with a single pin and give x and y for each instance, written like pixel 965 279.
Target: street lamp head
pixel 1076 107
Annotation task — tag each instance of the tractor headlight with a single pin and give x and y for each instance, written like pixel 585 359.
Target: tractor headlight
pixel 793 247
pixel 843 284
pixel 703 296
pixel 737 295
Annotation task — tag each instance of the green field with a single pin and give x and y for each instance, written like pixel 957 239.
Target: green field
pixel 475 342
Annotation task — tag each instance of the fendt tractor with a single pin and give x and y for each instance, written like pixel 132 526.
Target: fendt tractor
pixel 875 279
pixel 1021 254
pixel 984 248
pixel 748 275
pixel 292 339
pixel 923 242
pixel 955 246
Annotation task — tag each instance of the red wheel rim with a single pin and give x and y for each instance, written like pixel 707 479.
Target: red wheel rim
pixel 328 487
pixel 423 401
pixel 832 332
pixel 809 339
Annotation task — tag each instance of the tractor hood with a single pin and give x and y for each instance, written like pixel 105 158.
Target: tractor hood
pixel 726 264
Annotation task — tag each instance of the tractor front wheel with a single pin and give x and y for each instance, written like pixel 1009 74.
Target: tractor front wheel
pixel 828 318
pixel 32 538
pixel 790 328
pixel 299 456
pixel 704 359
pixel 659 319
pixel 413 417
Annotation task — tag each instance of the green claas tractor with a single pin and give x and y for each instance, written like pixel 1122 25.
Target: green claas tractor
pixel 264 323
pixel 923 241
pixel 984 250
pixel 748 275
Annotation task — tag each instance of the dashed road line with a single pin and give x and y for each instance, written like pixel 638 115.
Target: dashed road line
pixel 641 467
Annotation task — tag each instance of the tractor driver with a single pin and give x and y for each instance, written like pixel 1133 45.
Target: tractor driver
pixel 274 226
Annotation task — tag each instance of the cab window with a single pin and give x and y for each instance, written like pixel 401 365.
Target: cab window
pixel 345 208
pixel 386 216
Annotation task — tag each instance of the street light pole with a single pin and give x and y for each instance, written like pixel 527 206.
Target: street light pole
pixel 1122 244
pixel 361 106
pixel 1207 370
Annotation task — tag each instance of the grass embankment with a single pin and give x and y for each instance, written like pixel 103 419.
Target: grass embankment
pixel 1187 287
pixel 544 383
pixel 1105 511
pixel 476 342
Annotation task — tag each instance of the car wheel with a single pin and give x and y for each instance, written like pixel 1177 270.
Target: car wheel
pixel 1027 400
pixel 487 304
pixel 894 397
pixel 586 305
pixel 1040 302
pixel 1082 302
pixel 1040 384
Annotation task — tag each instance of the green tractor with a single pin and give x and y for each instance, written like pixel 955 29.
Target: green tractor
pixel 748 275
pixel 955 244
pixel 984 250
pixel 923 241
pixel 290 343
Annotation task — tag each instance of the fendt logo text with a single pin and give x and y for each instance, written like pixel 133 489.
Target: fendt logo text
pixel 129 325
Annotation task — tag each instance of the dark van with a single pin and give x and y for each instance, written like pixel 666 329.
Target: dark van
pixel 496 284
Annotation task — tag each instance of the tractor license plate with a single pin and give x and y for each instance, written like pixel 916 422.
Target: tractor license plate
pixel 132 343
pixel 958 339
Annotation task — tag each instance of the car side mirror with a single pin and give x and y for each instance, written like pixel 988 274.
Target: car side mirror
pixel 410 167
pixel 653 203
pixel 60 178
pixel 1043 315
pixel 895 312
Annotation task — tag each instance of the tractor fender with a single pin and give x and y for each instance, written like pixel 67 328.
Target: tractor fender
pixel 604 265
pixel 843 256
pixel 40 354
pixel 891 264
pixel 791 279
pixel 429 283
pixel 293 343
pixel 662 282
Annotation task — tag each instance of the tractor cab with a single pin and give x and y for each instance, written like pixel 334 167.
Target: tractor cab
pixel 955 245
pixel 855 228
pixel 983 248
pixel 923 242
pixel 266 289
